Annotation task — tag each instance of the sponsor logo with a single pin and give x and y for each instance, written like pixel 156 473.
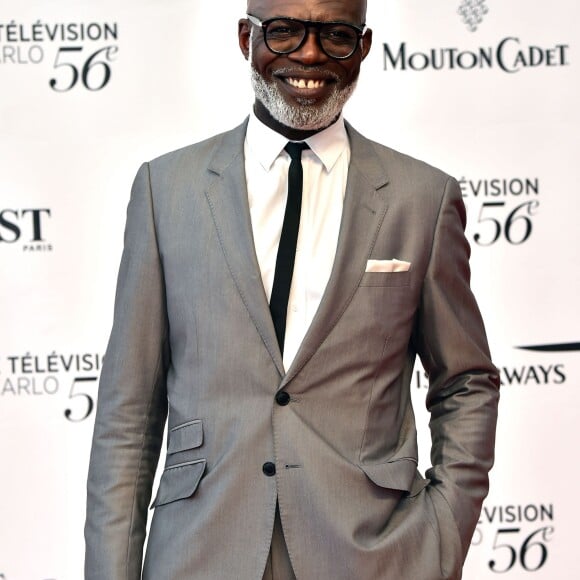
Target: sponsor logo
pixel 516 537
pixel 507 211
pixel 547 374
pixel 472 13
pixel 538 374
pixel 81 53
pixel 25 228
pixel 534 375
pixel 510 55
pixel 53 375
pixel 560 347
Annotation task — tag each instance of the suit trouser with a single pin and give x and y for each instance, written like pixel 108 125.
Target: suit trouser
pixel 278 566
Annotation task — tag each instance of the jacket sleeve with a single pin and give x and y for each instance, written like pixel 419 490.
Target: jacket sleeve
pixel 132 402
pixel 463 383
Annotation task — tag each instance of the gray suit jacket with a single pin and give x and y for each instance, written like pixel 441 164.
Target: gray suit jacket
pixel 193 340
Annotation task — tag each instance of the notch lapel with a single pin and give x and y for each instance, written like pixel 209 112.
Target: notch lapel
pixel 228 200
pixel 364 209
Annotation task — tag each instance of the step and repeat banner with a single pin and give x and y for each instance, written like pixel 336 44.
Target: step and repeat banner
pixel 488 90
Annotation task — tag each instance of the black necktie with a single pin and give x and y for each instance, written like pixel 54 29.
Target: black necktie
pixel 287 247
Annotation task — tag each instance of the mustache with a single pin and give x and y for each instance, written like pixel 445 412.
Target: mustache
pixel 308 71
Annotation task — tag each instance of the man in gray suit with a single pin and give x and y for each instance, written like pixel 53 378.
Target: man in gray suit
pixel 292 447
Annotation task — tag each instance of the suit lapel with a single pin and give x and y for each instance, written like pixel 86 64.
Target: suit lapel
pixel 364 209
pixel 228 200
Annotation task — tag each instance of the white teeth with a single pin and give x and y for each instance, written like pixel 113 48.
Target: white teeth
pixel 303 84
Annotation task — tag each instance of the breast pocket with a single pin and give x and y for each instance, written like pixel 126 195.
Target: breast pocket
pixel 386 279
pixel 181 475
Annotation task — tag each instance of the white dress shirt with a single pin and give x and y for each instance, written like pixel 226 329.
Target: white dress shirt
pixel 325 170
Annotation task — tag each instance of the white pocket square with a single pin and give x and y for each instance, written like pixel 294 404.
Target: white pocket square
pixel 393 265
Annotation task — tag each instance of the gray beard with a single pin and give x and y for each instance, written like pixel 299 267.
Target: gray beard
pixel 308 116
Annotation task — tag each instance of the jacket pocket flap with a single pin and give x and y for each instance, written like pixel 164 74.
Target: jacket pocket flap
pixel 179 481
pixel 186 436
pixel 398 474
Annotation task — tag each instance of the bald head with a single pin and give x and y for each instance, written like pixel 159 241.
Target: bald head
pixel 317 9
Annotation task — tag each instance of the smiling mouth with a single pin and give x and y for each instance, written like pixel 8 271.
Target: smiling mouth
pixel 305 83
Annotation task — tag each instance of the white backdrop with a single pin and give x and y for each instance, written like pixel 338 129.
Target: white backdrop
pixel 485 89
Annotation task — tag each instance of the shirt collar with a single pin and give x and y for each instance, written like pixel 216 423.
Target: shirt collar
pixel 266 144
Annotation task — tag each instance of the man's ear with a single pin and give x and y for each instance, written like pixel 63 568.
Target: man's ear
pixel 366 42
pixel 244 37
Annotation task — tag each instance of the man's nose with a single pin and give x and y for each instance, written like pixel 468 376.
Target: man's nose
pixel 310 52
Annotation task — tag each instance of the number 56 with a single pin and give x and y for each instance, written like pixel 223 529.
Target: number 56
pixel 534 543
pixel 99 60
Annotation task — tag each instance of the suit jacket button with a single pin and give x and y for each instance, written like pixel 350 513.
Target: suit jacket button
pixel 269 469
pixel 282 398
